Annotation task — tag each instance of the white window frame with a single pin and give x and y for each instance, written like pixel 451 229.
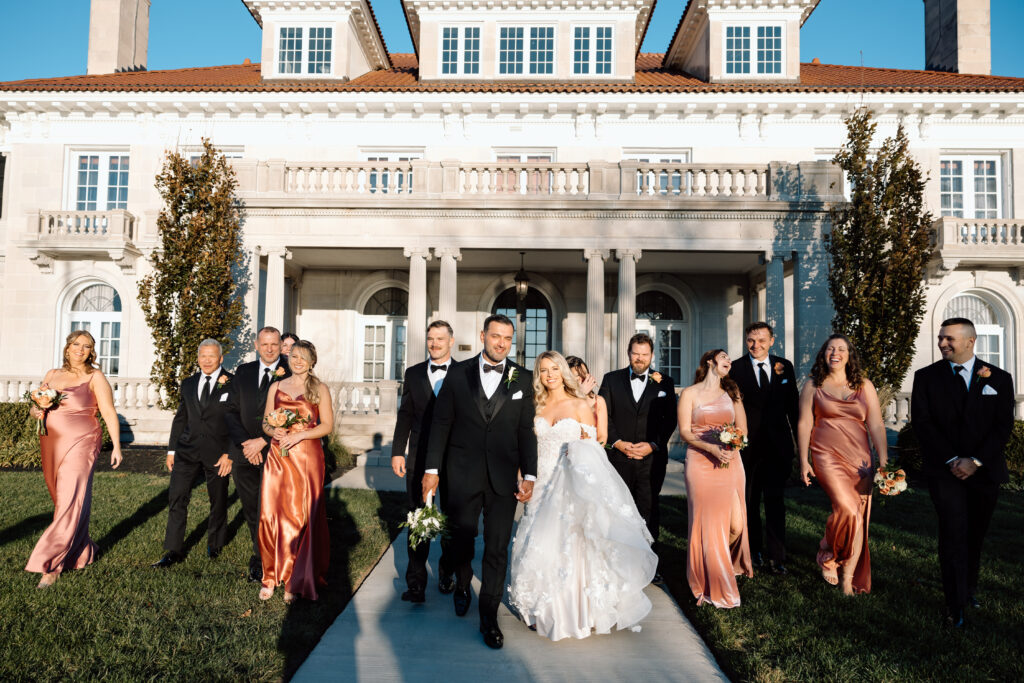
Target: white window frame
pixel 69 318
pixel 661 156
pixel 528 52
pixel 967 159
pixel 304 50
pixel 525 52
pixel 591 50
pixel 460 49
pixel 526 64
pixel 71 159
pixel 752 74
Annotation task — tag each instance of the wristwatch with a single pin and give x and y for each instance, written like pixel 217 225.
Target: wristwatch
pixel 977 463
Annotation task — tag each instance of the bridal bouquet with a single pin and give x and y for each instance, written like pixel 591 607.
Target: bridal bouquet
pixel 284 418
pixel 425 523
pixel 45 399
pixel 730 437
pixel 890 481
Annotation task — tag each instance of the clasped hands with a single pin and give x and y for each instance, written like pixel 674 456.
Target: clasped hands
pixel 252 449
pixel 962 468
pixel 223 464
pixel 634 451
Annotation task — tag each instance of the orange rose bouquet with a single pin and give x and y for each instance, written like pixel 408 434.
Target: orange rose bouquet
pixel 285 419
pixel 729 437
pixel 46 399
pixel 890 481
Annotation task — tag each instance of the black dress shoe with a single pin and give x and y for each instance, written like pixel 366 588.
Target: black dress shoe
pixel 168 560
pixel 777 568
pixel 462 599
pixel 758 561
pixel 255 574
pixel 973 602
pixel 446 584
pixel 492 635
pixel 414 595
pixel 212 553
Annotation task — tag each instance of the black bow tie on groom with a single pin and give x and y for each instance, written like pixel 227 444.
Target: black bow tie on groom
pixel 499 368
pixel 436 368
pixel 633 376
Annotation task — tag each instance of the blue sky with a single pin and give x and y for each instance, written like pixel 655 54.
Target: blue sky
pixel 185 33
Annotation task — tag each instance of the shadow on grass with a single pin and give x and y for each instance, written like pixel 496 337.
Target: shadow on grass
pixel 145 512
pixel 26 527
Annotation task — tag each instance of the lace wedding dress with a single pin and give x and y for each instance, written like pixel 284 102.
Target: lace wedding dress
pixel 582 554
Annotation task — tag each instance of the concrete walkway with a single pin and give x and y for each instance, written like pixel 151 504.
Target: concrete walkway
pixel 380 638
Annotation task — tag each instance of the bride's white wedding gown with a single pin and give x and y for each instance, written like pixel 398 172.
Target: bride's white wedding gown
pixel 582 554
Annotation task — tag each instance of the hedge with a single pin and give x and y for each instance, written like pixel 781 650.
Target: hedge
pixel 19 446
pixel 909 452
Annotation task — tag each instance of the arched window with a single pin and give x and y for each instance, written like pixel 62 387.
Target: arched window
pixel 659 315
pixel 991 332
pixel 384 328
pixel 97 309
pixel 537 330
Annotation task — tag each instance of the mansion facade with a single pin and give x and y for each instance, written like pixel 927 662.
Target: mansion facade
pixel 527 159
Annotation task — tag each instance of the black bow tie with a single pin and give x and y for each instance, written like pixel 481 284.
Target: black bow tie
pixel 499 368
pixel 633 376
pixel 435 368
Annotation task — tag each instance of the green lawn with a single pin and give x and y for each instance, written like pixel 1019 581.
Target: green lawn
pixel 119 619
pixel 798 628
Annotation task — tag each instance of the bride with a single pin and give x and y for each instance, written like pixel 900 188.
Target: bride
pixel 581 556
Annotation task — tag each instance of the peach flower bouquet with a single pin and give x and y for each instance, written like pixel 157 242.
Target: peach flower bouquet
pixel 284 418
pixel 46 399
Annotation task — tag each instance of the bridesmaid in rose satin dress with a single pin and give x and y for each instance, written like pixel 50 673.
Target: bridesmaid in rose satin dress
pixel 718 546
pixel 69 451
pixel 839 410
pixel 293 536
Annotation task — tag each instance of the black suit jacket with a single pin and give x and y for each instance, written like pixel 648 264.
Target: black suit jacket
pixel 197 432
pixel 652 419
pixel 771 414
pixel 416 412
pixel 246 405
pixel 477 450
pixel 978 427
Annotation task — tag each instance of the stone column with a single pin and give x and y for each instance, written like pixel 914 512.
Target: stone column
pixel 775 300
pixel 252 296
pixel 447 290
pixel 595 310
pixel 812 306
pixel 416 335
pixel 627 302
pixel 274 297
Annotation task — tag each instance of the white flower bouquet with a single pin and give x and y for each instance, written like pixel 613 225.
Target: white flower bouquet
pixel 425 523
pixel 46 399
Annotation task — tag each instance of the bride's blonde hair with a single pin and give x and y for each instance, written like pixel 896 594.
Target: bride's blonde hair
pixel 572 385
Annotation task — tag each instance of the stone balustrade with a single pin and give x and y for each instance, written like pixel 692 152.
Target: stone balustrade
pixel 991 242
pixel 84 225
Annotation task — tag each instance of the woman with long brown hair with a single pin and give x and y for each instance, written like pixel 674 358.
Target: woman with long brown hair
pixel 838 412
pixel 293 536
pixel 588 386
pixel 715 481
pixel 69 451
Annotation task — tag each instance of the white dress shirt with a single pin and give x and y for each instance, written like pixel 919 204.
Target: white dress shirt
pixel 263 367
pixel 966 375
pixel 213 381
pixel 490 380
pixel 638 386
pixel 436 377
pixel 757 368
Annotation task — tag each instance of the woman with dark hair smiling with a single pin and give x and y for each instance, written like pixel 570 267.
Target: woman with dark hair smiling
pixel 838 412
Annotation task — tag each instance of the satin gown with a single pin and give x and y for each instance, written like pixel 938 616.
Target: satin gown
pixel 293 537
pixel 69 452
pixel 712 562
pixel 841 454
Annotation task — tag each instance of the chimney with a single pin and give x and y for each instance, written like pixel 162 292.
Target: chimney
pixel 958 36
pixel 118 36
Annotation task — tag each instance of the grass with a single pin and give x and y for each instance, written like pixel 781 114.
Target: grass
pixel 798 628
pixel 119 619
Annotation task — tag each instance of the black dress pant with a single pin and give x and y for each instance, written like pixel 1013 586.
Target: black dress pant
pixel 639 477
pixel 248 478
pixel 183 476
pixel 499 512
pixel 416 570
pixel 767 469
pixel 964 509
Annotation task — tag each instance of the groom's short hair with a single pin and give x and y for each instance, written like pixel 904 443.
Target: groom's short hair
pixel 498 318
pixel 759 325
pixel 971 332
pixel 640 338
pixel 441 323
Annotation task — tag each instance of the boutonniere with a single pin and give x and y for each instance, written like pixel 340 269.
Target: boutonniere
pixel 223 380
pixel 278 374
pixel 779 368
pixel 513 375
pixel 984 372
pixel 656 377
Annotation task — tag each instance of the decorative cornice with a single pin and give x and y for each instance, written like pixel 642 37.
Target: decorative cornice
pixel 803 215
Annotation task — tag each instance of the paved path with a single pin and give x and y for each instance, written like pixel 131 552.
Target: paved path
pixel 379 638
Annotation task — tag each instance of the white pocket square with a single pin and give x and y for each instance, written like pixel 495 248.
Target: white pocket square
pixel 988 391
pixel 223 397
pixel 516 396
pixel 661 394
pixel 784 381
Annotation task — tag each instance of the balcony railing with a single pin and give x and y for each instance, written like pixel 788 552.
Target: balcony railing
pixel 980 241
pixel 85 225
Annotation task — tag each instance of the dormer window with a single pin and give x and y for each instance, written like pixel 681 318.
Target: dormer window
pixel 592 50
pixel 542 49
pixel 460 50
pixel 737 49
pixel 769 49
pixel 305 49
pixel 767 57
pixel 511 52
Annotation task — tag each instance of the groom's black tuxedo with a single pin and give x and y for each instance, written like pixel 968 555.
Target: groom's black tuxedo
pixel 953 422
pixel 245 421
pixel 652 420
pixel 771 423
pixel 199 437
pixel 484 444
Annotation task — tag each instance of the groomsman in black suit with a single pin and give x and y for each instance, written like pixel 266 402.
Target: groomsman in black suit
pixel 199 443
pixel 422 383
pixel 770 400
pixel 641 418
pixel 244 418
pixel 962 412
pixel 482 431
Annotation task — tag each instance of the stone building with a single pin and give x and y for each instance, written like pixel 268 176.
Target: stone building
pixel 683 193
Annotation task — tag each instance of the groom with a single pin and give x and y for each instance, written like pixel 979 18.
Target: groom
pixel 962 412
pixel 482 430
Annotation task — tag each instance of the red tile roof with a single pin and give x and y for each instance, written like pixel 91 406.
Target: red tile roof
pixel 651 77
